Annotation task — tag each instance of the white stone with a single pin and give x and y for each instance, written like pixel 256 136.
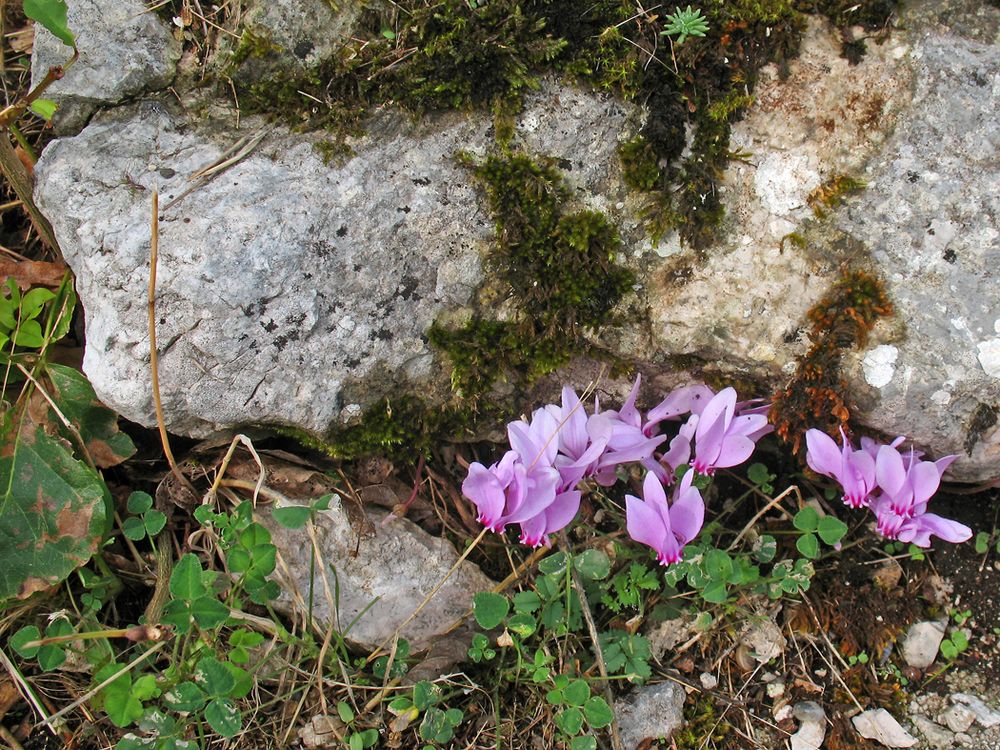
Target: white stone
pixel 879 725
pixel 708 680
pixel 920 647
pixel 879 365
pixel 941 397
pixel 985 715
pixel 989 356
pixel 937 736
pixel 652 711
pixel 958 718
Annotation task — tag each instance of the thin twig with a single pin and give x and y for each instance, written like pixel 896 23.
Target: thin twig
pixel 98 688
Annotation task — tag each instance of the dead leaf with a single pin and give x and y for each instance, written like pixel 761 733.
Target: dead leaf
pixel 29 273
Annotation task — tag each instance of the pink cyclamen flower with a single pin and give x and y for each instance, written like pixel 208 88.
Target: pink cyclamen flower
pixel 917 528
pixel 665 527
pixel 621 434
pixel 722 439
pixel 508 492
pixel 690 399
pixel 535 530
pixel 578 453
pixel 853 469
pixel 908 483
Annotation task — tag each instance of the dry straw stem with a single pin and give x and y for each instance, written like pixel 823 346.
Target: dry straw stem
pixel 98 688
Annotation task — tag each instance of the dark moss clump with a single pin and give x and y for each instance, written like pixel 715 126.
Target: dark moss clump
pixel 558 266
pixel 817 394
pixel 396 428
pixel 704 725
pixel 983 418
pixel 452 54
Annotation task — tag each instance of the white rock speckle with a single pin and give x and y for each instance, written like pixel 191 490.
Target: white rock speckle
pixel 989 356
pixel 879 365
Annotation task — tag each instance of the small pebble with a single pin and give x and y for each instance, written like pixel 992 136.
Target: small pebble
pixel 708 681
pixel 958 718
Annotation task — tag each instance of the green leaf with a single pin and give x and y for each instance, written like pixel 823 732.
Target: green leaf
pixel 212 675
pixel 29 334
pixel 570 720
pixel 715 592
pixel 598 712
pixel 960 640
pixel 583 742
pixel 209 612
pixel 424 695
pixel 244 681
pixel 97 424
pixel 51 657
pixel 831 529
pixel 122 707
pixel 139 502
pixel 766 548
pixel 293 516
pixel 26 634
pixel 54 510
pixel 223 716
pixel 808 546
pixel 345 711
pixel 44 108
pixel 52 15
pixel 553 564
pixel 526 602
pixel 806 519
pixel 177 613
pixel 356 742
pixel 982 542
pixel 133 528
pixel 145 687
pixel 490 609
pixel 718 565
pixel 522 625
pixel 185 580
pixel 593 564
pixel 184 697
pixel 154 522
pixel 577 692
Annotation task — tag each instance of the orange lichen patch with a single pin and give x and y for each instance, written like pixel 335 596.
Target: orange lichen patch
pixel 817 394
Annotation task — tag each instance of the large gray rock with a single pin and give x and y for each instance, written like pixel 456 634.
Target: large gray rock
pixel 299 293
pixel 395 565
pixel 653 711
pixel 125 50
pixel 289 291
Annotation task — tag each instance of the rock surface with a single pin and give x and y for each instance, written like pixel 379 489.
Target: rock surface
pixel 985 715
pixel 879 725
pixel 298 293
pixel 125 50
pixel 920 647
pixel 653 711
pixel 812 726
pixel 395 566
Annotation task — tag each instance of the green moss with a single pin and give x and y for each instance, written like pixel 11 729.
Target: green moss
pixel 558 268
pixel 639 164
pixel 401 428
pixel 703 726
pixel 253 44
pixel 833 192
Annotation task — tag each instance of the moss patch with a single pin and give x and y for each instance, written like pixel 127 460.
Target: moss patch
pixel 558 267
pixel 446 54
pixel 817 394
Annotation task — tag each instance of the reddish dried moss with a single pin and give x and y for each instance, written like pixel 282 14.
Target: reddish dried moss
pixel 817 395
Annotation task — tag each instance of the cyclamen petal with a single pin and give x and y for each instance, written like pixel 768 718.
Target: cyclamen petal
pixel 721 440
pixel 665 528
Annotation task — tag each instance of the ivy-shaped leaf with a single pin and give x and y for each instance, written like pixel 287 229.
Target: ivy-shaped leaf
pixel 97 424
pixel 53 510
